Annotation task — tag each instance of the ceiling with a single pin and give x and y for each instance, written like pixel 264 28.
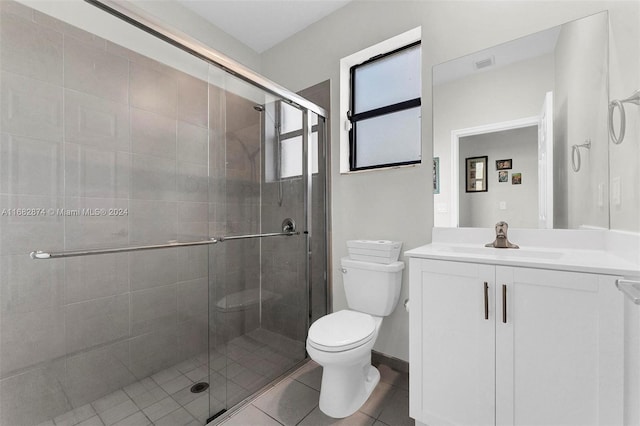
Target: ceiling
pixel 261 24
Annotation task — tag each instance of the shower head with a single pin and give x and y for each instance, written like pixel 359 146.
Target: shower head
pixel 258 108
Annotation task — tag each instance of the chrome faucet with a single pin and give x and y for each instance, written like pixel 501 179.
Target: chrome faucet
pixel 501 240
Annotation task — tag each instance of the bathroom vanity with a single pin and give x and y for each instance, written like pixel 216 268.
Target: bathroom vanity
pixel 543 334
pixel 518 336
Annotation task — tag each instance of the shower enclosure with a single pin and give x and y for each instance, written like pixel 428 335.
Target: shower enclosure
pixel 150 179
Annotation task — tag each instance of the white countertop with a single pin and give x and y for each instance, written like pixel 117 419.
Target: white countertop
pixel 591 261
pixel 559 252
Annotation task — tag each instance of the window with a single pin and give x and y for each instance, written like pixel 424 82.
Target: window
pixel 384 110
pixel 290 138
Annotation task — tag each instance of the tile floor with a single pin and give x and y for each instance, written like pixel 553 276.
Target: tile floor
pixel 251 361
pixel 294 401
pixel 234 372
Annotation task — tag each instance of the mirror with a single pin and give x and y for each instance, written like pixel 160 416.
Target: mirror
pixel 536 108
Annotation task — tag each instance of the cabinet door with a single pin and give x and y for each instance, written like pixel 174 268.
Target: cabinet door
pixel 559 353
pixel 452 369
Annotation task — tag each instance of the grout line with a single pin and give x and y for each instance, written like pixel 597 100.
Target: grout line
pixel 302 383
pixel 266 414
pixel 308 414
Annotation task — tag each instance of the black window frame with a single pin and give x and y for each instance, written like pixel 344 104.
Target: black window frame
pixel 377 112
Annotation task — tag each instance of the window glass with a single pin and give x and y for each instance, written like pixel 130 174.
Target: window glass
pixel 389 139
pixel 385 110
pixel 291 118
pixel 388 80
pixel 291 154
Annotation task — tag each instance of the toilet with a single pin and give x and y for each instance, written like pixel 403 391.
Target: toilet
pixel 341 342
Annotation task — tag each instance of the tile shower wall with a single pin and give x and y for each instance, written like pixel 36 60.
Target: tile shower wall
pixel 87 124
pixel 234 191
pixel 285 306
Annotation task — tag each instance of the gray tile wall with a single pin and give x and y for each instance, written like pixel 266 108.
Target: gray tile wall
pixel 283 262
pixel 234 209
pixel 88 124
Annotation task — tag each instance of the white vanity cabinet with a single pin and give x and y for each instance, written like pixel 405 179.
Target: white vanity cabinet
pixel 507 345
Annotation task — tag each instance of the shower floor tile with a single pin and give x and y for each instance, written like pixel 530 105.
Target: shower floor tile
pixel 235 371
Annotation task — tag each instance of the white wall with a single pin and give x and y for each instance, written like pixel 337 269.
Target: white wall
pixel 580 114
pixel 512 92
pixel 624 79
pixel 482 209
pixel 398 204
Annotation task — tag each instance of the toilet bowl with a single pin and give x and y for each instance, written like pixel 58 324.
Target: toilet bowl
pixel 341 342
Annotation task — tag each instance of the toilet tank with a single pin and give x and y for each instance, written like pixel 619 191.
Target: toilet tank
pixel 372 288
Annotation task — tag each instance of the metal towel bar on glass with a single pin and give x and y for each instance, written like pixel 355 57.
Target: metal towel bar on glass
pixel 288 229
pixel 38 254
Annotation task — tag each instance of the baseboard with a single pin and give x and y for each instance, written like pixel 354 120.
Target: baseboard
pixel 395 363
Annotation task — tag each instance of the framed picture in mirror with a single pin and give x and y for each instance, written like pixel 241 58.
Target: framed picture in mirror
pixel 516 179
pixel 476 174
pixel 504 164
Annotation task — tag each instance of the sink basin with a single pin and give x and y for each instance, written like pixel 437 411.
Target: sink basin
pixel 517 253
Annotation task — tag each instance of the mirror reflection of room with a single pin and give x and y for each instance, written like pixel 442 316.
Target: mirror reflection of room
pixel 528 101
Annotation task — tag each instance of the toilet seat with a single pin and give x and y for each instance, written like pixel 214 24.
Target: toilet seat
pixel 341 331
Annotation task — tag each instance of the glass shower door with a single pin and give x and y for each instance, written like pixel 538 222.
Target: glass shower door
pixel 101 147
pixel 259 295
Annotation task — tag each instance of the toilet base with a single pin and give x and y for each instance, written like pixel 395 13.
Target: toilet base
pixel 345 389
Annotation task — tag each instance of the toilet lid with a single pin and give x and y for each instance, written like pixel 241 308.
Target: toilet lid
pixel 342 330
